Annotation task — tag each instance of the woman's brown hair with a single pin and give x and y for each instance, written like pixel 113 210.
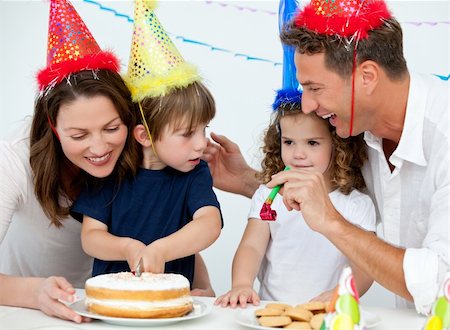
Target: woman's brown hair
pixel 345 165
pixel 56 180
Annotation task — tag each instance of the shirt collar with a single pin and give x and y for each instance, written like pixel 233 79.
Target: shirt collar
pixel 410 146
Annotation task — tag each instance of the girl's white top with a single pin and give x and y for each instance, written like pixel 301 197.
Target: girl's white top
pixel 300 263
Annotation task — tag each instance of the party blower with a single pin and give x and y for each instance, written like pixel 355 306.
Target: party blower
pixel 266 212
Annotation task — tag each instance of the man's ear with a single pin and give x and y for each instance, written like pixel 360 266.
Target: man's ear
pixel 141 135
pixel 370 73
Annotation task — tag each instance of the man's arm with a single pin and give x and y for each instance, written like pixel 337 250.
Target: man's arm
pixel 373 256
pixel 307 191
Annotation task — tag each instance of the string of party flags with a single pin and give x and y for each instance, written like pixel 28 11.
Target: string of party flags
pixel 236 54
pixel 255 10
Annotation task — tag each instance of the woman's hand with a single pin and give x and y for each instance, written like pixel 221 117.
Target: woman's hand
pixel 50 294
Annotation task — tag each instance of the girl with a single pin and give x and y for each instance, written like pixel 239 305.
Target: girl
pixel 292 262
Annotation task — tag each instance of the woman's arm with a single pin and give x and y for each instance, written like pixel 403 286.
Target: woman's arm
pixel 39 293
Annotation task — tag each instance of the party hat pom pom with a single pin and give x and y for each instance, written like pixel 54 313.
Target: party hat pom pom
pixel 344 312
pixel 440 313
pixel 344 18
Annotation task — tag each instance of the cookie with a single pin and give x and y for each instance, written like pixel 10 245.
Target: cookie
pixel 268 312
pixel 274 321
pixel 298 325
pixel 298 314
pixel 313 306
pixel 317 321
pixel 278 306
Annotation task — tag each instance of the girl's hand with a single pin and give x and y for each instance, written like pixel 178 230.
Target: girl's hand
pixel 239 295
pixel 50 295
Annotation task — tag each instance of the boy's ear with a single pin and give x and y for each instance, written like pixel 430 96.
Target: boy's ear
pixel 141 136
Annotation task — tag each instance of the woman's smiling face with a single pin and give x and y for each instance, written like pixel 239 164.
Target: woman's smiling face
pixel 92 134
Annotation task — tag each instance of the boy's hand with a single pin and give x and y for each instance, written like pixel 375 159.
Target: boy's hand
pixel 133 252
pixel 153 259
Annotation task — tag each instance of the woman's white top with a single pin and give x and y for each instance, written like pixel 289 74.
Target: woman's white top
pixel 29 244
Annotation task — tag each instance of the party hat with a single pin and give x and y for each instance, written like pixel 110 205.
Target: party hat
pixel 71 47
pixel 155 66
pixel 289 93
pixel 344 307
pixel 440 313
pixel 344 18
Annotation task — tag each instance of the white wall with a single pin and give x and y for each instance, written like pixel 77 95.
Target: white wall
pixel 243 88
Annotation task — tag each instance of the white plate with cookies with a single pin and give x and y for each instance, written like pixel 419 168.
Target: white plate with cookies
pixel 279 315
pixel 200 309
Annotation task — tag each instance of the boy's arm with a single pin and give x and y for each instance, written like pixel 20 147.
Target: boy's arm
pixel 99 243
pixel 195 236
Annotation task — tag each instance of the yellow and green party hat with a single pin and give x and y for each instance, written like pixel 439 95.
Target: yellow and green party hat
pixel 344 308
pixel 440 313
pixel 155 66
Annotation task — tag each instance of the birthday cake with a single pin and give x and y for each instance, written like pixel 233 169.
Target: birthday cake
pixel 148 296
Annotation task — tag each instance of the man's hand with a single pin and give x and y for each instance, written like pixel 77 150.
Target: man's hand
pixel 228 167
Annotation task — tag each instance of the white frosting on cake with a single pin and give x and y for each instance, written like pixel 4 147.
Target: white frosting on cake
pixel 140 305
pixel 147 281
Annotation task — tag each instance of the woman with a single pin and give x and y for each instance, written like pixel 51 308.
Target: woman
pixel 79 132
pixel 42 175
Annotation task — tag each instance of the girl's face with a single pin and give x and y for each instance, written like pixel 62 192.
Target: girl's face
pixel 91 133
pixel 181 148
pixel 306 142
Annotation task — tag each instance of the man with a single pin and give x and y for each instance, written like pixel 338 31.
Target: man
pixel 353 73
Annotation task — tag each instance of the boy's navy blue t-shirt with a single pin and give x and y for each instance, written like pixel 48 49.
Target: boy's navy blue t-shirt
pixel 152 205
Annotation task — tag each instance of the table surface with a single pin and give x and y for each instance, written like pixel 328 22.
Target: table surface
pixel 13 318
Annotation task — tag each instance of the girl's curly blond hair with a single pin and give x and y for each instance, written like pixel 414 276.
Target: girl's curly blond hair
pixel 345 165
